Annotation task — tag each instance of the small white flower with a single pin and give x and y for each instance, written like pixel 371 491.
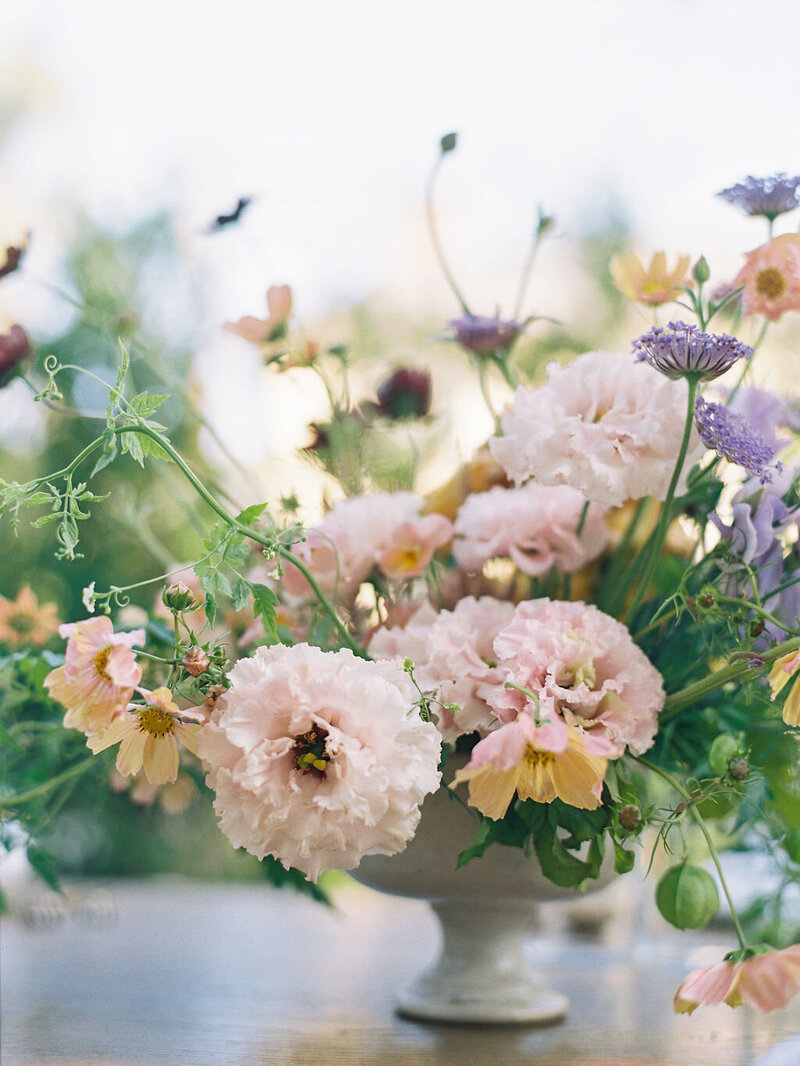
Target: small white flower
pixel 88 598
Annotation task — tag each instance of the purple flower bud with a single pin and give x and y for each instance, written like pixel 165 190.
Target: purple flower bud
pixel 485 336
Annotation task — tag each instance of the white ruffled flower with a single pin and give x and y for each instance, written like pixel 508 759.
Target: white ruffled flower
pixel 604 424
pixel 317 758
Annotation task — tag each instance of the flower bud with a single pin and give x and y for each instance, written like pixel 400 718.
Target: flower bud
pixel 448 142
pixel 15 348
pixel 195 661
pixel 687 896
pixel 724 748
pixel 739 769
pixel 700 271
pixel 630 817
pixel 405 394
pixel 179 597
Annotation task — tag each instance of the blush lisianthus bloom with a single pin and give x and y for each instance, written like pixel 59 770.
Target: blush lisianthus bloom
pixel 768 980
pixel 586 662
pixel 609 428
pixel 536 526
pixel 452 652
pixel 148 736
pixel 541 762
pixel 99 673
pixel 24 622
pixel 771 278
pixel 318 758
pixel 654 285
pixel 679 350
pixel 357 534
pixel 263 330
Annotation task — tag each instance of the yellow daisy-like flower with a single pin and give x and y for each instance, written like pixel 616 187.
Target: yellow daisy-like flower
pixel 655 285
pixel 148 737
pixel 782 671
pixel 538 762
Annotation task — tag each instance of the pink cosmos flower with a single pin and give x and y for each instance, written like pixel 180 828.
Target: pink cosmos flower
pixel 604 425
pixel 587 663
pixel 356 534
pixel 261 330
pixel 536 526
pixel 771 278
pixel 453 655
pixel 24 621
pixel 317 758
pixel 767 981
pixel 539 762
pixel 148 737
pixel 99 673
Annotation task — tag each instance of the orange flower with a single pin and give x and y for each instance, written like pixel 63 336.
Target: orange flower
pixel 23 621
pixel 263 330
pixel 538 762
pixel 771 277
pixel 767 980
pixel 655 285
pixel 149 737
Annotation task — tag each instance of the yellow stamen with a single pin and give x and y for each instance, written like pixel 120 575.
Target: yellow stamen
pixel 100 664
pixel 770 283
pixel 534 757
pixel 156 722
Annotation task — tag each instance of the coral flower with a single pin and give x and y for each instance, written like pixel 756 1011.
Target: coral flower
pixel 771 278
pixel 148 737
pixel 782 670
pixel 767 980
pixel 23 621
pixel 99 673
pixel 263 330
pixel 656 285
pixel 538 762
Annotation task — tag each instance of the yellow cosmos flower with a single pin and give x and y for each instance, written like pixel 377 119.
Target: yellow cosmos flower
pixel 538 762
pixel 655 285
pixel 782 671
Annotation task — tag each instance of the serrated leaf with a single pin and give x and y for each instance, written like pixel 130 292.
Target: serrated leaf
pixel 110 449
pixel 211 608
pixel 145 404
pixel 132 445
pixel 45 518
pixel 251 513
pixel 38 499
pixel 264 603
pixel 240 593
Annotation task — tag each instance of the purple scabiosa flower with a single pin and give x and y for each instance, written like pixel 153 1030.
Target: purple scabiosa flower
pixel 765 413
pixel 406 393
pixel 485 336
pixel 734 439
pixel 769 197
pixel 678 350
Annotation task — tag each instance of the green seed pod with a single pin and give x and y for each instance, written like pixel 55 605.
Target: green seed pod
pixel 687 896
pixel 724 748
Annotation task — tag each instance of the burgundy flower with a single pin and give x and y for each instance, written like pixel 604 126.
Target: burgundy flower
pixel 405 394
pixel 15 348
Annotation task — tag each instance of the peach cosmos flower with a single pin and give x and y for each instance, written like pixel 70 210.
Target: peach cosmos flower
pixel 412 544
pixel 541 762
pixel 782 671
pixel 23 621
pixel 148 737
pixel 262 330
pixel 655 285
pixel 771 278
pixel 99 673
pixel 767 980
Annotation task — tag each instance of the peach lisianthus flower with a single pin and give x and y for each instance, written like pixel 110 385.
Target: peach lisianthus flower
pixel 534 761
pixel 771 278
pixel 782 671
pixel 99 673
pixel 148 737
pixel 654 285
pixel 767 980
pixel 318 758
pixel 412 544
pixel 261 330
pixel 23 621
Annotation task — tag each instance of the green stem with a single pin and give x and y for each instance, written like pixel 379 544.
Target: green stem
pixel 437 246
pixel 693 380
pixel 737 602
pixel 692 807
pixel 10 802
pixel 484 384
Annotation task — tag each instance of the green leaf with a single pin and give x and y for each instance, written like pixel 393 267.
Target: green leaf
pixel 624 860
pixel 264 603
pixel 44 864
pixel 132 445
pixel 558 864
pixel 110 449
pixel 248 516
pixel 211 608
pixel 240 593
pixel 480 843
pixel 145 404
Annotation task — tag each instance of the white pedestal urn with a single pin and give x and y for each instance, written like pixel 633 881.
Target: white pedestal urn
pixel 484 909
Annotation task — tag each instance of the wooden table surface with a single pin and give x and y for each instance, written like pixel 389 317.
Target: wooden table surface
pixel 177 973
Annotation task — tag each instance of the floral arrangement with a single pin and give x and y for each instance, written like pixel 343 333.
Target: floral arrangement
pixel 595 621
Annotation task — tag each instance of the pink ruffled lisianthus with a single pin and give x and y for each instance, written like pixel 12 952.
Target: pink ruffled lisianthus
pixel 540 762
pixel 318 758
pixel 587 663
pixel 383 529
pixel 99 673
pixel 535 526
pixel 767 980
pixel 453 656
pixel 604 425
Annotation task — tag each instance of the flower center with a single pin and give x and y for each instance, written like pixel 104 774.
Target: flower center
pixel 770 283
pixel 156 722
pixel 22 623
pixel 309 751
pixel 100 664
pixel 535 758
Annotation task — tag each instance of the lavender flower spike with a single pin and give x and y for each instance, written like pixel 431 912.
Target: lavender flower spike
pixel 679 350
pixel 732 438
pixel 769 197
